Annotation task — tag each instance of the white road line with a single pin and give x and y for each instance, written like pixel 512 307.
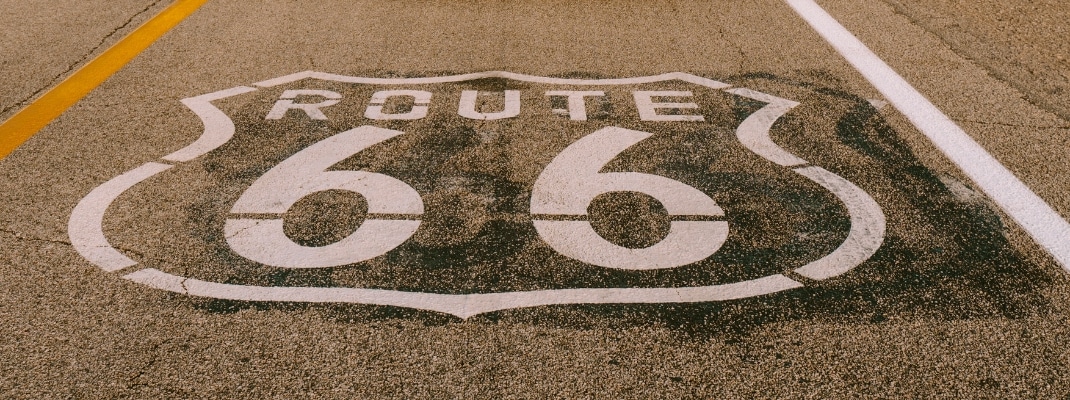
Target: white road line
pixel 1034 215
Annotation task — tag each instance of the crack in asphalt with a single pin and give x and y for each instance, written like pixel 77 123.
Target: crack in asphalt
pixel 969 52
pixel 970 121
pixel 738 48
pixel 156 261
pixel 239 231
pixel 20 236
pixel 80 61
pixel 154 351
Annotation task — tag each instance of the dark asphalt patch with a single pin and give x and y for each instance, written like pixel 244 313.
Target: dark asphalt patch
pixel 945 255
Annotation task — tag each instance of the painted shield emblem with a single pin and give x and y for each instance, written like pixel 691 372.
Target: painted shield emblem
pixel 473 193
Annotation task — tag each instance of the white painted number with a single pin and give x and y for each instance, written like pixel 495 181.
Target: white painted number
pixel 263 240
pixel 565 188
pixel 572 181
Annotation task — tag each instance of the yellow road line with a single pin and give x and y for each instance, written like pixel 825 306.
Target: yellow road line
pixel 53 103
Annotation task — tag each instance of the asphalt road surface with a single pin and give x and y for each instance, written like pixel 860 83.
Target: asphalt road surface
pixel 508 199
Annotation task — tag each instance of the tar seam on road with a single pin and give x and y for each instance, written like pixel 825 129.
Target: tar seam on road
pixel 56 101
pixel 1031 212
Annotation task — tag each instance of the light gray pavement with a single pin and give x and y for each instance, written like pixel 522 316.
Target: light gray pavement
pixel 1014 118
pixel 915 323
pixel 1019 42
pixel 44 41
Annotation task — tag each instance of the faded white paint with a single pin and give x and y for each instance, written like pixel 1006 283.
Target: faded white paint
pixel 680 76
pixel 218 128
pixel 754 131
pixel 306 173
pixel 867 220
pixel 867 226
pixel 463 305
pixel 86 226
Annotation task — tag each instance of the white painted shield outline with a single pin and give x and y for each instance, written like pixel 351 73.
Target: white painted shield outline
pixel 864 238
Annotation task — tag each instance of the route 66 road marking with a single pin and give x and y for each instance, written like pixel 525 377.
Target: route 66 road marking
pixel 559 200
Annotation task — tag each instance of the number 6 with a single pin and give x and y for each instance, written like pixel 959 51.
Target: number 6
pixel 304 173
pixel 571 181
